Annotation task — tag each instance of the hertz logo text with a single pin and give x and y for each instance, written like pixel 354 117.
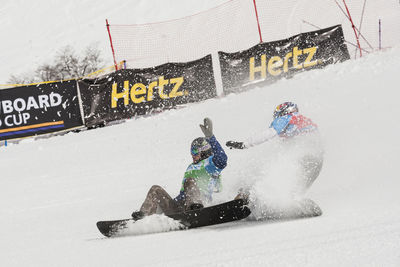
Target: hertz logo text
pixel 139 92
pixel 276 65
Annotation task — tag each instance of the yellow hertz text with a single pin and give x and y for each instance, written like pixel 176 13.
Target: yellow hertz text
pixel 139 92
pixel 276 65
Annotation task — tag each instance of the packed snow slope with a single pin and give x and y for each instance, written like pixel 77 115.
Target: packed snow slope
pixel 54 190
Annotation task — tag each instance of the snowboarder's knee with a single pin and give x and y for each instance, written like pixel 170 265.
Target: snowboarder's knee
pixel 156 188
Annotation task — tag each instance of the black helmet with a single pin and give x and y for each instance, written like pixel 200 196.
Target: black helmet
pixel 201 146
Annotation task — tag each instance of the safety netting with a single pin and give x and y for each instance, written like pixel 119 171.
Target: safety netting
pixel 233 26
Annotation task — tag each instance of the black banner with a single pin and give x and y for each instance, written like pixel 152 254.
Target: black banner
pixel 126 93
pixel 267 62
pixel 39 109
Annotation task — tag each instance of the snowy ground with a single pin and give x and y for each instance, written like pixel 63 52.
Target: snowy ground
pixel 54 190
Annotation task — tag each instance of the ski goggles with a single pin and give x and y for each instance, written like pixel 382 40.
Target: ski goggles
pixel 197 150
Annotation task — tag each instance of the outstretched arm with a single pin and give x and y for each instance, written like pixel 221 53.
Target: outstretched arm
pixel 254 140
pixel 220 158
pixel 264 136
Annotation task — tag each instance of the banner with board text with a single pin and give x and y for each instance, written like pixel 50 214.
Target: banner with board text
pixel 39 109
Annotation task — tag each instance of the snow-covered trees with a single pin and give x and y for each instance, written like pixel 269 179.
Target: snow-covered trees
pixel 66 64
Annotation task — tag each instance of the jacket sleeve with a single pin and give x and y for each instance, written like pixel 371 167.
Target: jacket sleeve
pixel 260 138
pixel 220 158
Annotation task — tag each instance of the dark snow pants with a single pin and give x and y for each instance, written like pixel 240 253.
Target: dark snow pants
pixel 157 197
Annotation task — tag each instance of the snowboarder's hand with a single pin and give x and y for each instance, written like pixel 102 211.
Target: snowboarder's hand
pixel 234 144
pixel 207 128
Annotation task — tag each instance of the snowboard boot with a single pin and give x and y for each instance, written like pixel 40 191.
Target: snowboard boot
pixel 137 215
pixel 196 206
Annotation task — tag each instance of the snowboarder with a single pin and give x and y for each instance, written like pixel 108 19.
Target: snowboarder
pixel 201 179
pixel 288 124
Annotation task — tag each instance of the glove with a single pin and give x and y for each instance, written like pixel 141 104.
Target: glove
pixel 234 144
pixel 207 128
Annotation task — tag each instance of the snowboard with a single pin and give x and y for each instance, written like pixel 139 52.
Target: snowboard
pixel 222 213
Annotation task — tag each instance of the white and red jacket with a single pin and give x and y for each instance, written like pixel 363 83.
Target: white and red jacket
pixel 285 126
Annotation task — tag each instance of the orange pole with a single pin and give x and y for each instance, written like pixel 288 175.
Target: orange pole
pixel 112 47
pixel 354 27
pixel 258 22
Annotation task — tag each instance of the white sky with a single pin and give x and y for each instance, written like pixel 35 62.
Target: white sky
pixel 32 31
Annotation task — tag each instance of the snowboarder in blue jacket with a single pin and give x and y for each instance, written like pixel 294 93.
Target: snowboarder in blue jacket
pixel 200 181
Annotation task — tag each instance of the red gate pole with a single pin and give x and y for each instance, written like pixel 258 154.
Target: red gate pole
pixel 258 22
pixel 112 47
pixel 354 27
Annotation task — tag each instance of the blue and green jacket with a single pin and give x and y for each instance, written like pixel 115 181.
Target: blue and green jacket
pixel 206 172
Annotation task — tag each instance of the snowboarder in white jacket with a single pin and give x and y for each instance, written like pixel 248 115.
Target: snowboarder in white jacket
pixel 289 124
